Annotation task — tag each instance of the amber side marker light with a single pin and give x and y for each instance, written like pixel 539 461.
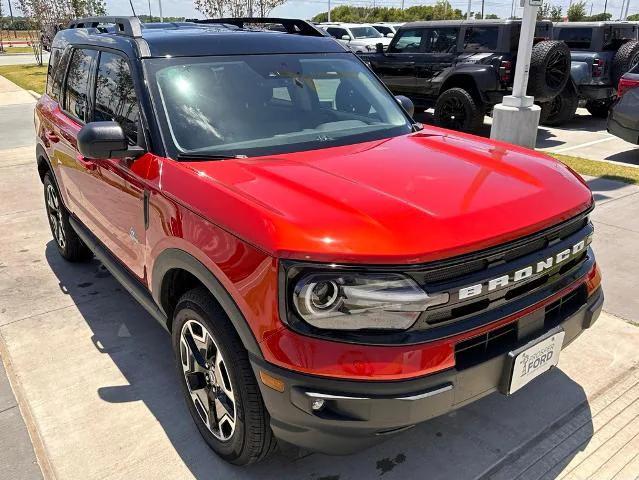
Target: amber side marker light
pixel 272 382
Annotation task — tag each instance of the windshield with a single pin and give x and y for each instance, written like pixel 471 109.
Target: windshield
pixel 365 32
pixel 269 104
pixel 384 30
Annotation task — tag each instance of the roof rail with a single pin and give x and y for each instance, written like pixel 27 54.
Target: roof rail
pixel 290 25
pixel 128 26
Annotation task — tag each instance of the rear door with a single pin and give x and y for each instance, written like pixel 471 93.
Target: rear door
pixel 76 174
pixel 398 67
pixel 441 53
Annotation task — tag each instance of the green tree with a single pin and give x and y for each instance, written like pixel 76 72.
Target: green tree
pixel 577 12
pixel 600 17
pixel 634 17
pixel 556 13
pixel 492 16
pixel 543 12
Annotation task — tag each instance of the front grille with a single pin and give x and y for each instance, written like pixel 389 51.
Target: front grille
pixel 497 342
pixel 502 262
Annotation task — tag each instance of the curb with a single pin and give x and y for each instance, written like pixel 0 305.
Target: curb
pixel 36 440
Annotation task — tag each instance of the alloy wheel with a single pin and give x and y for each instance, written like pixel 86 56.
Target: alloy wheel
pixel 54 212
pixel 453 113
pixel 208 380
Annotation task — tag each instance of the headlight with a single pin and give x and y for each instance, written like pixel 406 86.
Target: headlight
pixel 356 301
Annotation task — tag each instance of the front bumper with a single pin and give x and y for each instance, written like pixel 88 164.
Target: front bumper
pixel 357 414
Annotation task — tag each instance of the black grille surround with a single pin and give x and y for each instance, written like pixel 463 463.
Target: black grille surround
pixel 463 314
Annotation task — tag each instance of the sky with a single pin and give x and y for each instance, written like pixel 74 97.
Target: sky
pixel 307 8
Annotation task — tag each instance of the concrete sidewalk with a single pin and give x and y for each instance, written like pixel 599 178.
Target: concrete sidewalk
pixel 96 379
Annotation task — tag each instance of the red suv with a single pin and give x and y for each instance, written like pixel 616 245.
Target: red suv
pixel 331 272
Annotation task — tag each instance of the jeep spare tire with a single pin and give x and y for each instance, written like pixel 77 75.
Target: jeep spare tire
pixel 626 57
pixel 549 70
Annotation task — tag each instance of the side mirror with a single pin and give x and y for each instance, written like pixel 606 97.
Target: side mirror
pixel 346 37
pixel 389 35
pixel 105 140
pixel 379 47
pixel 406 103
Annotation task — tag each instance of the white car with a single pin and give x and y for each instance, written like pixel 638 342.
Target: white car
pixel 387 29
pixel 359 37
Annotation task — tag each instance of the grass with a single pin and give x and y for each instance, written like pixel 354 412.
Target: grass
pixel 596 168
pixel 29 77
pixel 21 49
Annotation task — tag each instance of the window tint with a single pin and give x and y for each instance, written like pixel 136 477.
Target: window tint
pixel 76 90
pixel 115 98
pixel 365 32
pixel 383 29
pixel 408 41
pixel 576 37
pixel 57 68
pixel 337 32
pixel 442 40
pixel 481 38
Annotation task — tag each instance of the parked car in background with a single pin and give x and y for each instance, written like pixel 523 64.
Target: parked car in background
pixel 359 37
pixel 601 52
pixel 463 68
pixel 623 120
pixel 387 29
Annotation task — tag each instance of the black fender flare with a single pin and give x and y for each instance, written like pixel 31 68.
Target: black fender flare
pixel 172 258
pixel 41 155
pixel 483 76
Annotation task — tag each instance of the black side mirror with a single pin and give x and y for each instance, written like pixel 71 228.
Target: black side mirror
pixel 379 47
pixel 105 140
pixel 406 103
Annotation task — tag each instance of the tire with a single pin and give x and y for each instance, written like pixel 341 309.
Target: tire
pixel 549 70
pixel 69 245
pixel 626 57
pixel 598 108
pixel 561 109
pixel 456 109
pixel 242 434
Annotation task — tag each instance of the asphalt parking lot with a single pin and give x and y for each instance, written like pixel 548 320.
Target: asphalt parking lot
pixel 95 383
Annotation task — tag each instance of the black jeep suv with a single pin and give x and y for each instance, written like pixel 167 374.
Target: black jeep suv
pixel 463 69
pixel 601 53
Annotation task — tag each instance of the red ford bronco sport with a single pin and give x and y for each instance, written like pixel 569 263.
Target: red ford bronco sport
pixel 331 272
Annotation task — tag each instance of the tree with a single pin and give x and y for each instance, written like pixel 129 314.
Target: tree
pixel 236 8
pixel 577 12
pixel 442 10
pixel 543 12
pixel 492 16
pixel 634 17
pixel 600 17
pixel 556 13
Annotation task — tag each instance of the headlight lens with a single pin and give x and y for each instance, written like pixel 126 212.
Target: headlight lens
pixel 357 301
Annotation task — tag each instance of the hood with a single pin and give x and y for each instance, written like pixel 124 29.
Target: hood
pixel 409 199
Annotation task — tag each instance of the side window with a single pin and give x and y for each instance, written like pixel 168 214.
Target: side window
pixel 407 41
pixel 337 32
pixel 76 93
pixel 481 38
pixel 55 74
pixel 115 98
pixel 442 40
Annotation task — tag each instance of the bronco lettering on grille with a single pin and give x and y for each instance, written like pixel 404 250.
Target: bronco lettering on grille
pixel 523 273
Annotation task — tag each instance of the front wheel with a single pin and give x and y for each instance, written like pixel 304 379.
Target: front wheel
pixel 219 387
pixel 458 110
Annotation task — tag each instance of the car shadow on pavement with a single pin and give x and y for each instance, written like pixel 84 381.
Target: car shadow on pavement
pixel 539 429
pixel 630 156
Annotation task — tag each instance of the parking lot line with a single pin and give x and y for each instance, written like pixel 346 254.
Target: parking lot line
pixel 581 145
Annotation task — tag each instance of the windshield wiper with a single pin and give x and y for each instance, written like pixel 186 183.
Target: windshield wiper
pixel 207 156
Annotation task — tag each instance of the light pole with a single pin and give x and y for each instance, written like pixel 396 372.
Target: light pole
pixel 625 15
pixel 468 11
pixel 161 16
pixel 329 10
pixel 516 119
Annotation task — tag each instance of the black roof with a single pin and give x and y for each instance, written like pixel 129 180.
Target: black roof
pixel 190 39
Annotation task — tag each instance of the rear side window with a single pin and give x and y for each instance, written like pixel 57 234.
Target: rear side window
pixel 407 41
pixel 115 98
pixel 481 39
pixel 579 38
pixel 442 40
pixel 76 93
pixel 55 73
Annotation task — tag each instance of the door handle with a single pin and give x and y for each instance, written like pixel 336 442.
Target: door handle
pixel 52 137
pixel 86 163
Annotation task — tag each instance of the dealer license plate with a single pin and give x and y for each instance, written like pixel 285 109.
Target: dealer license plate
pixel 533 360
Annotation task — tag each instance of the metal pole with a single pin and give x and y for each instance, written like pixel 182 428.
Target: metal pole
pixel 150 14
pixel 605 7
pixel 15 34
pixel 402 4
pixel 625 15
pixel 482 9
pixel 591 4
pixel 623 4
pixel 512 10
pixel 161 16
pixel 528 24
pixel 329 10
pixel 469 7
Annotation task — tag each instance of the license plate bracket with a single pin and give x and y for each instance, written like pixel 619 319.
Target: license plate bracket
pixel 531 360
